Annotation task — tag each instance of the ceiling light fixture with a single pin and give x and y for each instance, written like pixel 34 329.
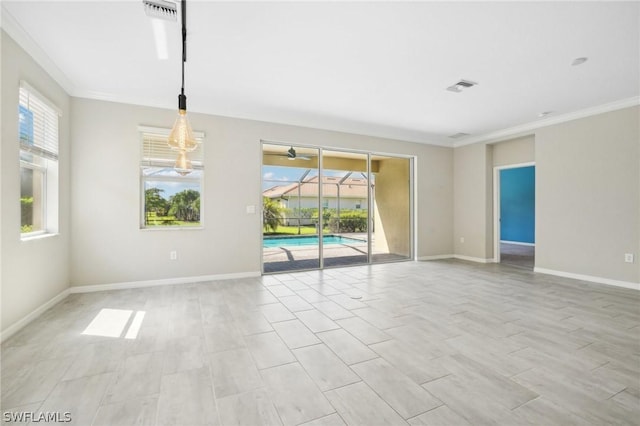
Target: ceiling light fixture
pixel 462 84
pixel 181 138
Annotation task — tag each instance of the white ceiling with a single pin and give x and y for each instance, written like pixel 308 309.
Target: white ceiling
pixel 376 68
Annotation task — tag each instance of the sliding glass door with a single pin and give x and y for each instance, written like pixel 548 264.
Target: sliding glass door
pixel 345 208
pixel 290 205
pixel 360 203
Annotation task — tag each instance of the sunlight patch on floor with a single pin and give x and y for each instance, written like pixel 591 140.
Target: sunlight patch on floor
pixel 112 322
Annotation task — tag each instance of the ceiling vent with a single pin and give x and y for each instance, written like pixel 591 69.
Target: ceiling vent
pixel 462 84
pixel 161 9
pixel 458 135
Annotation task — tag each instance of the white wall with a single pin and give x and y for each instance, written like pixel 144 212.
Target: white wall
pixel 514 151
pixel 33 272
pixel 472 209
pixel 109 247
pixel 588 196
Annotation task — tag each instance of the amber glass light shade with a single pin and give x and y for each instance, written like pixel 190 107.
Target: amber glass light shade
pixel 183 164
pixel 181 137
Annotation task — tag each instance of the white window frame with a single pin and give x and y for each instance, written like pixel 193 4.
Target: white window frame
pixel 146 131
pixel 44 148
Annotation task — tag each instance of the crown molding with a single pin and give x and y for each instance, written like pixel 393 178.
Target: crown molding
pixel 13 28
pixel 528 128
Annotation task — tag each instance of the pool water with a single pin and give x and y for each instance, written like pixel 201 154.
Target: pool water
pixel 307 241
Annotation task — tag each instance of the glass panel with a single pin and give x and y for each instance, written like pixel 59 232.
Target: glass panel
pixel 31 200
pixel 290 208
pixel 169 202
pixel 345 208
pixel 391 208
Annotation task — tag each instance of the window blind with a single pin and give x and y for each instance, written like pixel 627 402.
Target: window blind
pixel 157 153
pixel 38 122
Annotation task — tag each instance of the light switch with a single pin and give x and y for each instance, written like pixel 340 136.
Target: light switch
pixel 251 209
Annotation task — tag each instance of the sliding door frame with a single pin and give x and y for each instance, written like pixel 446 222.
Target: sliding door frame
pixel 370 200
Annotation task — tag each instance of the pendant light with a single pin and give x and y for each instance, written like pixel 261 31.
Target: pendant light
pixel 183 164
pixel 181 138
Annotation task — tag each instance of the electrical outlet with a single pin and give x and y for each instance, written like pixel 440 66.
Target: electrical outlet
pixel 462 240
pixel 173 255
pixel 628 257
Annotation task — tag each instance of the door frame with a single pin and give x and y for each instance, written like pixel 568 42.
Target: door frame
pixel 496 204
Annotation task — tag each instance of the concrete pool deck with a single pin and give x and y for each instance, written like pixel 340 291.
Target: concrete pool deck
pixel 280 259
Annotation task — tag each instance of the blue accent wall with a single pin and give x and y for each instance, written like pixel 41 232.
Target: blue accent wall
pixel 517 204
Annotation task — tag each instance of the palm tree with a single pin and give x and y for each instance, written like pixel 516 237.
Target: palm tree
pixel 271 214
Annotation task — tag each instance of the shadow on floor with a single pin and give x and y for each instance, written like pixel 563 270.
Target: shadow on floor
pixel 330 262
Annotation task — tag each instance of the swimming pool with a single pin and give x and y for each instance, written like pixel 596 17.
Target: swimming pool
pixel 307 241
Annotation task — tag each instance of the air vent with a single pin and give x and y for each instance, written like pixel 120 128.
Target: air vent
pixel 458 135
pixel 462 84
pixel 160 9
pixel 465 83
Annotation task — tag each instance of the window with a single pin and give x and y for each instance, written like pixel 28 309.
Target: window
pixel 38 134
pixel 169 199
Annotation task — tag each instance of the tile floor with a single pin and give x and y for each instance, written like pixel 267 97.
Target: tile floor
pixel 420 343
pixel 518 255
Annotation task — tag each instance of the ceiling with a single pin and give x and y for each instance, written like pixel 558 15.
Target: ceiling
pixel 374 68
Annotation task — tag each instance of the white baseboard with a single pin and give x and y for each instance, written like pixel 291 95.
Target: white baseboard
pixel 436 257
pixel 18 325
pixel 473 259
pixel 457 256
pixel 154 283
pixel 590 278
pixel 518 243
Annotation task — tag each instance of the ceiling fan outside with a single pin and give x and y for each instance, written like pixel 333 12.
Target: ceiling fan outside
pixel 291 155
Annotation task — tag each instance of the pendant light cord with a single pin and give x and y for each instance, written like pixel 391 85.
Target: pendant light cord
pixel 182 99
pixel 184 38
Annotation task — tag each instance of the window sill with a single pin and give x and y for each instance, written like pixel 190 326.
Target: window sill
pixel 38 236
pixel 186 228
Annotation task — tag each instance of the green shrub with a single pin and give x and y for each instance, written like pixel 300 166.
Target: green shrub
pixel 349 222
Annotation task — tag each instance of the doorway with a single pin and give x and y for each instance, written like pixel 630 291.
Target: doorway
pixel 325 207
pixel 514 215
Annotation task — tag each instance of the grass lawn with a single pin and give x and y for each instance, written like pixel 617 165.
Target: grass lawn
pixel 160 221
